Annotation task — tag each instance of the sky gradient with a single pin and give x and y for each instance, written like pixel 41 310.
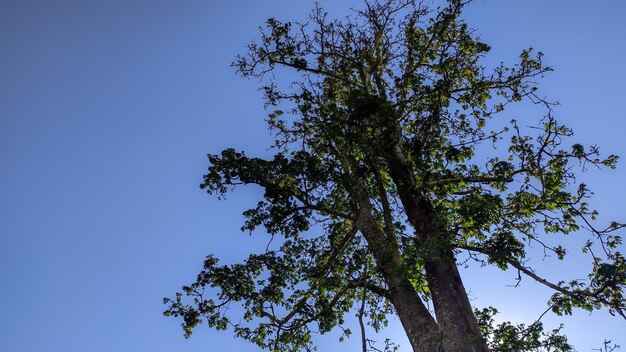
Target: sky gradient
pixel 107 112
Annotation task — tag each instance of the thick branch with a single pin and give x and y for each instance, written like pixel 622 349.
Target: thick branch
pixel 530 273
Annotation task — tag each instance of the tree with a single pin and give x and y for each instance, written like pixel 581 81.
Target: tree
pixel 391 166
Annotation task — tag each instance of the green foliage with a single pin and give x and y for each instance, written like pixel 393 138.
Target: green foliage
pixel 391 160
pixel 506 337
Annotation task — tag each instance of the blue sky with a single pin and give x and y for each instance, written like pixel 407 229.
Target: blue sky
pixel 107 112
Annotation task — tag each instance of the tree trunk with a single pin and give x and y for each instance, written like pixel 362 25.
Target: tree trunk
pixel 455 316
pixel 420 327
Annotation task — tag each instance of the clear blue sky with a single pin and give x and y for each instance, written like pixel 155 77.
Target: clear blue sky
pixel 108 108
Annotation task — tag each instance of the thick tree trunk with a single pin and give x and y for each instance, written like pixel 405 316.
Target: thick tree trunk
pixel 455 329
pixel 454 312
pixel 455 316
pixel 420 327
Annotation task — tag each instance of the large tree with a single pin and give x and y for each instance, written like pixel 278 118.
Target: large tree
pixel 391 166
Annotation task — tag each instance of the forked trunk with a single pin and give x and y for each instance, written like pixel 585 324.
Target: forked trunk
pixel 456 322
pixel 419 325
pixel 455 329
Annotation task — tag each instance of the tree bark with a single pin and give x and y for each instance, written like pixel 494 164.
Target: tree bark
pixel 420 327
pixel 454 313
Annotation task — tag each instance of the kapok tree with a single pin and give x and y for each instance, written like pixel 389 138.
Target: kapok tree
pixel 391 165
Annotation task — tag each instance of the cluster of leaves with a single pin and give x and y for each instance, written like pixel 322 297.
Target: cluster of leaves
pixel 303 280
pixel 507 337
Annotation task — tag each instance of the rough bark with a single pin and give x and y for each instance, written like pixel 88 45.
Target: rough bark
pixel 454 313
pixel 420 327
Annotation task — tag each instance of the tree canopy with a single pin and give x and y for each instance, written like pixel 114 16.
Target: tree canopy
pixel 394 161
